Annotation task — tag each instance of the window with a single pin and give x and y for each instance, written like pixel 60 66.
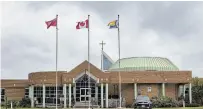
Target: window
pixel 2 94
pixel 115 93
pixel 84 82
pixel 26 92
pixel 186 90
pixel 38 94
pixel 50 94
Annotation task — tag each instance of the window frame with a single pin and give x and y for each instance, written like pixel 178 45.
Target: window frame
pixel 26 95
pixel 3 95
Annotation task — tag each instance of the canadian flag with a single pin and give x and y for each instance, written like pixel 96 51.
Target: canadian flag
pixel 82 24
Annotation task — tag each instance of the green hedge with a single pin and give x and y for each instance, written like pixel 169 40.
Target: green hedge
pixel 164 102
pixel 25 102
pixel 169 102
pixel 15 104
pixel 192 105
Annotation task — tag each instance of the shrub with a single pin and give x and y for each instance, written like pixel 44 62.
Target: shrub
pixel 197 91
pixel 128 105
pixel 192 105
pixel 197 94
pixel 164 102
pixel 25 102
pixel 3 104
pixel 14 103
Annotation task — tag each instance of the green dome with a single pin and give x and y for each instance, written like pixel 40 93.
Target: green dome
pixel 144 64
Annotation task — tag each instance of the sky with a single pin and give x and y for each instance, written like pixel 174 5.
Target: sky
pixel 171 30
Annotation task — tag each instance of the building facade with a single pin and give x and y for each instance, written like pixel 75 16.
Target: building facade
pixel 151 76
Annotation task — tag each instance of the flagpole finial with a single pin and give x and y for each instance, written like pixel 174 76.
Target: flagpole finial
pixel 88 15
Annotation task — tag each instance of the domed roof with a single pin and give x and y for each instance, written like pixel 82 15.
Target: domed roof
pixel 144 64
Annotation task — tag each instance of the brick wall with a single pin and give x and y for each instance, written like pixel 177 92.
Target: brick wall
pixel 171 90
pixel 128 93
pixel 156 90
pixel 14 93
pixel 143 89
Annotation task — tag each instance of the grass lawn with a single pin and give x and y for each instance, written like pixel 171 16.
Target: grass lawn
pixel 114 108
pixel 182 108
pixel 109 108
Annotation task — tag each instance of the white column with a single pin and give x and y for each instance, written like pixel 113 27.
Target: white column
pixel 31 95
pixel 96 90
pixel 64 93
pixel 179 90
pixel 69 93
pixel 96 93
pixel 43 95
pixel 135 90
pixel 163 90
pixel 74 92
pixel 11 104
pixel 190 92
pixel 102 92
pixel 184 90
pixel 107 95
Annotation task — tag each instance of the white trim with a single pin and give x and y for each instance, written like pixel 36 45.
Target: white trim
pixel 163 90
pixel 184 90
pixel 135 90
pixel 44 94
pixel 85 95
pixel 31 95
pixel 190 92
pixel 89 74
pixel 74 92
pixel 106 71
pixel 107 95
pixel 97 80
pixel 27 96
pixel 64 93
pixel 96 92
pixel 69 95
pixel 102 97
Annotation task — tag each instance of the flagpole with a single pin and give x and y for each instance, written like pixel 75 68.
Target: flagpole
pixel 89 90
pixel 119 62
pixel 56 58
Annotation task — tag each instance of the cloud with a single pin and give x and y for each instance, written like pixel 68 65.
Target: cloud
pixel 163 29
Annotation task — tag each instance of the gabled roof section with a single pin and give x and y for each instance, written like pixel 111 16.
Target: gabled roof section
pixel 84 66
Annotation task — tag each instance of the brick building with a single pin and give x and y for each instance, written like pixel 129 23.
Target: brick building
pixel 151 76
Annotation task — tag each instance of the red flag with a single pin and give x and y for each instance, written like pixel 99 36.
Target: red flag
pixel 82 24
pixel 51 23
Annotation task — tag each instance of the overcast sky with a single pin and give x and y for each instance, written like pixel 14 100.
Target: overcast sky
pixel 162 29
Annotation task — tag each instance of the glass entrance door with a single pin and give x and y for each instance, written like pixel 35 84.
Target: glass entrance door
pixel 84 94
pixel 84 87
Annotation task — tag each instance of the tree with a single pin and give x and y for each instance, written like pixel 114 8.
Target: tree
pixel 197 91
